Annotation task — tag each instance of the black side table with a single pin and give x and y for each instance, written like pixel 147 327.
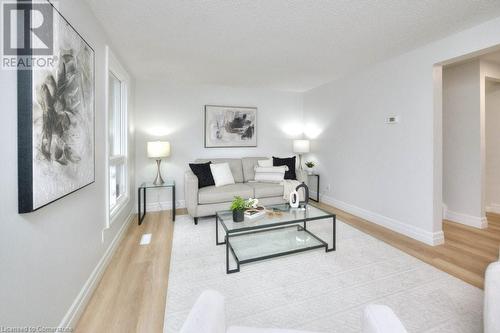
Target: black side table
pixel 146 185
pixel 312 189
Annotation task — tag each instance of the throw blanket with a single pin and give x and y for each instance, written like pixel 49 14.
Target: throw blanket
pixel 289 186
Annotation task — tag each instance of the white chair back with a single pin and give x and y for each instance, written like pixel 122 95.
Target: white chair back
pixel 492 298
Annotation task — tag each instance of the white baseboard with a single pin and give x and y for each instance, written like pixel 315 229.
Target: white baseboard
pixel 493 208
pixel 76 309
pixel 469 220
pixel 430 238
pixel 164 205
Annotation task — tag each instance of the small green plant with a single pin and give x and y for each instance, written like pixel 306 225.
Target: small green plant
pixel 310 164
pixel 239 204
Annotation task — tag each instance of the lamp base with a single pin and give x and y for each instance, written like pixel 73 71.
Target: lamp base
pixel 159 179
pixel 300 162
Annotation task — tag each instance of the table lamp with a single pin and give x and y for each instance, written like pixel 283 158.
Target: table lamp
pixel 301 147
pixel 158 150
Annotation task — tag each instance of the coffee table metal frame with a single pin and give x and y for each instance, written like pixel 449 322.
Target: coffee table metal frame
pixel 300 224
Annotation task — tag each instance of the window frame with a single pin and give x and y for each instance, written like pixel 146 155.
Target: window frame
pixel 114 67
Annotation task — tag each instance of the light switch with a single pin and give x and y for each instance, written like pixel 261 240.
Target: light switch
pixel 392 120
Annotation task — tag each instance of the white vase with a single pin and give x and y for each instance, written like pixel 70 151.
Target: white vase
pixel 310 171
pixel 294 199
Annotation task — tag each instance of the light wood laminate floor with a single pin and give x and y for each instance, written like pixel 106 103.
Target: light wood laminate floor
pixel 132 293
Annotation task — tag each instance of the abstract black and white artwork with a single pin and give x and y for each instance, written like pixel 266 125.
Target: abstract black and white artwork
pixel 56 113
pixel 229 126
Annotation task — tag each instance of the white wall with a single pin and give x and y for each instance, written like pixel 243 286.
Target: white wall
pixel 462 158
pixel 493 146
pixel 48 256
pixel 390 174
pixel 175 112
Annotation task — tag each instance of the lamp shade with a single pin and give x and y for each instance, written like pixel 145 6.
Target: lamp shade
pixel 301 146
pixel 158 149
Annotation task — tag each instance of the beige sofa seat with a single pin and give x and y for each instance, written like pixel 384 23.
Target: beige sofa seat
pixel 266 190
pixel 212 194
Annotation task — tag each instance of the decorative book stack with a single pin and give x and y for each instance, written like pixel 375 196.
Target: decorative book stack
pixel 255 212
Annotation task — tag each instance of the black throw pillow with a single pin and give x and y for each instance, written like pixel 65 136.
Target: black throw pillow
pixel 204 174
pixel 290 163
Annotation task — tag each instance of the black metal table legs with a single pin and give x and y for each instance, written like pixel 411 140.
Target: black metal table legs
pixel 140 203
pixel 317 188
pixel 141 217
pixel 173 203
pixel 228 248
pixel 334 241
pixel 217 232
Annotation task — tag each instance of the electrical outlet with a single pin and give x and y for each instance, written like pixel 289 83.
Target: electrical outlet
pixel 328 188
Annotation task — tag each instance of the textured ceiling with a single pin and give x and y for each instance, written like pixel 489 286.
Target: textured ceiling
pixel 283 44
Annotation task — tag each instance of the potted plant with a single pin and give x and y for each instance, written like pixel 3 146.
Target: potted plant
pixel 238 207
pixel 310 165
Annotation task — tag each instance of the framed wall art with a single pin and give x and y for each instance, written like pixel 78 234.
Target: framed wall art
pixel 230 126
pixel 56 114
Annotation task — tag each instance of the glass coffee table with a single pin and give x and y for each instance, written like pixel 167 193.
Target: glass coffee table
pixel 280 231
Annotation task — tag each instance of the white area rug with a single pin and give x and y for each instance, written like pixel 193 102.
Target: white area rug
pixel 318 291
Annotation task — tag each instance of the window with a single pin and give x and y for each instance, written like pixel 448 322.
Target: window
pixel 117 137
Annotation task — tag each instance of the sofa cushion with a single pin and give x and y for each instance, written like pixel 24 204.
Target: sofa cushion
pixel 492 298
pixel 234 165
pixel 267 190
pixel 265 163
pixel 207 314
pixel 249 164
pixel 212 194
pixel 203 172
pixel 222 174
pixel 381 319
pixel 290 163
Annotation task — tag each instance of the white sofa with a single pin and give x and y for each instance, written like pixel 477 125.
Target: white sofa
pixel 491 309
pixel 208 316
pixel 381 319
pixel 208 200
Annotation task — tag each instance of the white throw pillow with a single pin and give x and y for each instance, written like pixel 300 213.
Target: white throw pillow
pixel 265 177
pixel 276 169
pixel 265 163
pixel 270 174
pixel 222 174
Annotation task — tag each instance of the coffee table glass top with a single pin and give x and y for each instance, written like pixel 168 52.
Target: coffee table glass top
pixel 282 214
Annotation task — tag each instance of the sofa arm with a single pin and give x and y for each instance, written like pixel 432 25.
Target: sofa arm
pixel 207 314
pixel 302 176
pixel 191 192
pixel 381 319
pixel 492 298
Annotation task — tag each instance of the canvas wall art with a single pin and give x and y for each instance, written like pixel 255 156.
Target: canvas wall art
pixel 56 113
pixel 228 126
